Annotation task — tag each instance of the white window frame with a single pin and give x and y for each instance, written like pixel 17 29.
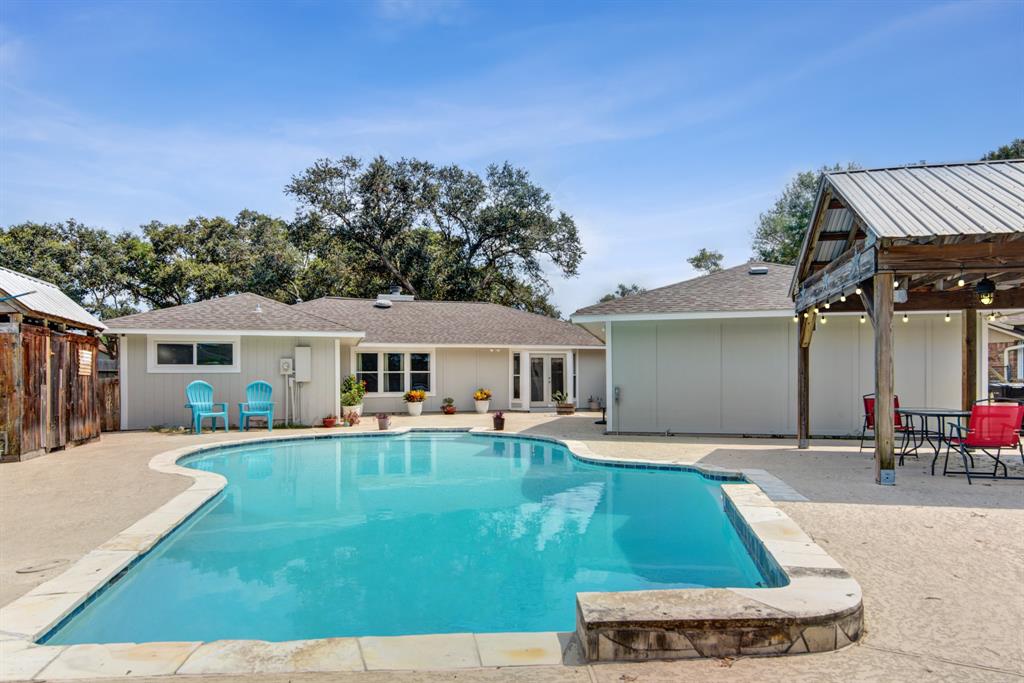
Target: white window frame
pixel 406 367
pixel 192 369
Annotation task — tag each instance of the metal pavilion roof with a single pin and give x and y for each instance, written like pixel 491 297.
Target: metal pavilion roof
pixel 46 299
pixel 936 199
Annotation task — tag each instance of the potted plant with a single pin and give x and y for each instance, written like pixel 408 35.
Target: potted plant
pixel 592 403
pixel 351 418
pixel 482 400
pixel 499 421
pixel 448 406
pixel 330 421
pixel 414 401
pixel 352 392
pixel 562 404
pixel 383 421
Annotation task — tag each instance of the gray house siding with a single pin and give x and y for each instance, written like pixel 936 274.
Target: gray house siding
pixel 157 399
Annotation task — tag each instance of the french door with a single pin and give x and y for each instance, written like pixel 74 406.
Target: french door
pixel 547 378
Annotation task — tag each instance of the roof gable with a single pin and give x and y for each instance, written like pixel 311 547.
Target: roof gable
pixel 733 289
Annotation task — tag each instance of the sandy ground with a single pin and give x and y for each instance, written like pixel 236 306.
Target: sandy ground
pixel 941 563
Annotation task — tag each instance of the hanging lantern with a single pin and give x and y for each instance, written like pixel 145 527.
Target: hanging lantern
pixel 986 291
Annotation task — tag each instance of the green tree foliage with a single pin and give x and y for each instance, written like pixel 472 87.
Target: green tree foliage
pixel 621 291
pixel 781 229
pixel 706 260
pixel 440 232
pixel 1014 150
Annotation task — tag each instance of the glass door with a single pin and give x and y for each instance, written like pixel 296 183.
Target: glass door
pixel 547 377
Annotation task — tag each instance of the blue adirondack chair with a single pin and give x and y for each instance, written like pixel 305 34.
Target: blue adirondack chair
pixel 259 398
pixel 199 395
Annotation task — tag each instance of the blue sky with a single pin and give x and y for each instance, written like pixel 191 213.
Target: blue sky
pixel 662 128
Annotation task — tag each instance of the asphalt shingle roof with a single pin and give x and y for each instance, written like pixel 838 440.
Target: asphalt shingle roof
pixel 449 322
pixel 250 312
pixel 732 289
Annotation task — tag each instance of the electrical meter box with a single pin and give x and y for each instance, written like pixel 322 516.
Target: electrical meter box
pixel 303 364
pixel 287 367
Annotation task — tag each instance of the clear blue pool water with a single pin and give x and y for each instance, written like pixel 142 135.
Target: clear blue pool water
pixel 420 533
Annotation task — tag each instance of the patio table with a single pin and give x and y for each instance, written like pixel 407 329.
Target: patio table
pixel 941 416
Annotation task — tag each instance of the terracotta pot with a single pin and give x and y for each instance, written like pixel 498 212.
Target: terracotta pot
pixel 448 410
pixel 330 421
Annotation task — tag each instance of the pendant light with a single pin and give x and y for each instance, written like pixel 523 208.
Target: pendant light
pixel 986 291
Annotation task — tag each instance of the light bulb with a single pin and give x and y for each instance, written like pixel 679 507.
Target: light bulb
pixel 947 318
pixel 906 318
pixel 857 291
pixel 987 299
pixel 896 284
pixel 815 310
pixel 960 282
pixel 796 318
pixel 828 305
pixel 842 297
pixel 862 320
pixel 824 320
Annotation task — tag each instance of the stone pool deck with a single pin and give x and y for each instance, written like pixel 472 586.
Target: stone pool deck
pixel 940 563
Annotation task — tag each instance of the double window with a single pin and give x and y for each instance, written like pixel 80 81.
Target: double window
pixel 193 355
pixel 394 372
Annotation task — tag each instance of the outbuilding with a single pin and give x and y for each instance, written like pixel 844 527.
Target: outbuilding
pixel 49 386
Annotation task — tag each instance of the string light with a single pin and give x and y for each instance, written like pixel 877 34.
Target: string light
pixel 947 317
pixel 824 320
pixel 796 318
pixel 858 291
pixel 815 310
pixel 906 318
pixel 895 284
pixel 960 281
pixel 842 297
pixel 828 305
pixel 862 320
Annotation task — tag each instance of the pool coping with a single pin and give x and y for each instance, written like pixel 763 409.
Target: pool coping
pixel 818 610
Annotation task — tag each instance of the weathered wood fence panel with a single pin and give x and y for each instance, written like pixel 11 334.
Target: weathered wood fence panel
pixel 110 404
pixel 82 409
pixel 34 342
pixel 57 433
pixel 10 396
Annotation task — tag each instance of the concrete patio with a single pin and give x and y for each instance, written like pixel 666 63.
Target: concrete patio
pixel 940 562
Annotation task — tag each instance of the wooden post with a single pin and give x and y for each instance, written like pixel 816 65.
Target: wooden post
pixel 803 379
pixel 969 359
pixel 885 461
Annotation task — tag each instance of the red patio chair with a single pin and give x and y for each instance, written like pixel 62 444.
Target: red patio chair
pixel 897 422
pixel 992 426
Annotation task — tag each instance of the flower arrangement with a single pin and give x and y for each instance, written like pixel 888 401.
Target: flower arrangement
pixel 352 391
pixel 448 406
pixel 482 394
pixel 499 421
pixel 352 418
pixel 383 421
pixel 330 421
pixel 414 396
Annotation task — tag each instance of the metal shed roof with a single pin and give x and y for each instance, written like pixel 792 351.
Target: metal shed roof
pixel 932 200
pixel 46 300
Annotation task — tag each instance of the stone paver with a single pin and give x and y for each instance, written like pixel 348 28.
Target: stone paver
pixel 118 659
pixel 519 649
pixel 448 651
pixel 258 656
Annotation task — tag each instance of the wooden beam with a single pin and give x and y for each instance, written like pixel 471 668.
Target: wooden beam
pixel 867 298
pixel 843 274
pixel 954 300
pixel 885 461
pixel 803 380
pixel 952 258
pixel 969 359
pixel 833 236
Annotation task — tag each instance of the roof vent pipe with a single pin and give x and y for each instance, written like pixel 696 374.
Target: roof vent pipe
pixel 758 270
pixel 395 289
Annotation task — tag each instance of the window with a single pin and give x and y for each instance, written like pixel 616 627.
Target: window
pixel 181 355
pixel 366 370
pixel 419 371
pixel 516 372
pixel 395 372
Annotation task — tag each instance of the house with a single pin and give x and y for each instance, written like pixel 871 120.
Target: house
pixel 49 388
pixel 1006 354
pixel 717 354
pixel 394 343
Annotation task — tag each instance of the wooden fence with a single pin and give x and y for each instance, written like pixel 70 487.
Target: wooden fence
pixel 110 404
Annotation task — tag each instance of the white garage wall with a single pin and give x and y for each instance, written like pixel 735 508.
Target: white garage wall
pixel 590 375
pixel 738 376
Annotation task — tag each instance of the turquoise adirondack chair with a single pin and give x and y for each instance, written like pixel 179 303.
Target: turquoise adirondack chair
pixel 199 395
pixel 259 398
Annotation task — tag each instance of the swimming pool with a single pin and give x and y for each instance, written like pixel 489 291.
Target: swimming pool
pixel 410 534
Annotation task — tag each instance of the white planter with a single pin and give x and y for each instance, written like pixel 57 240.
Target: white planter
pixel 414 408
pixel 357 409
pixel 482 406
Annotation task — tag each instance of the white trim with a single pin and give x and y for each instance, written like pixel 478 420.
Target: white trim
pixel 406 367
pixel 337 378
pixel 982 357
pixel 192 369
pixel 122 378
pixel 536 347
pixel 688 315
pixel 609 384
pixel 236 333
